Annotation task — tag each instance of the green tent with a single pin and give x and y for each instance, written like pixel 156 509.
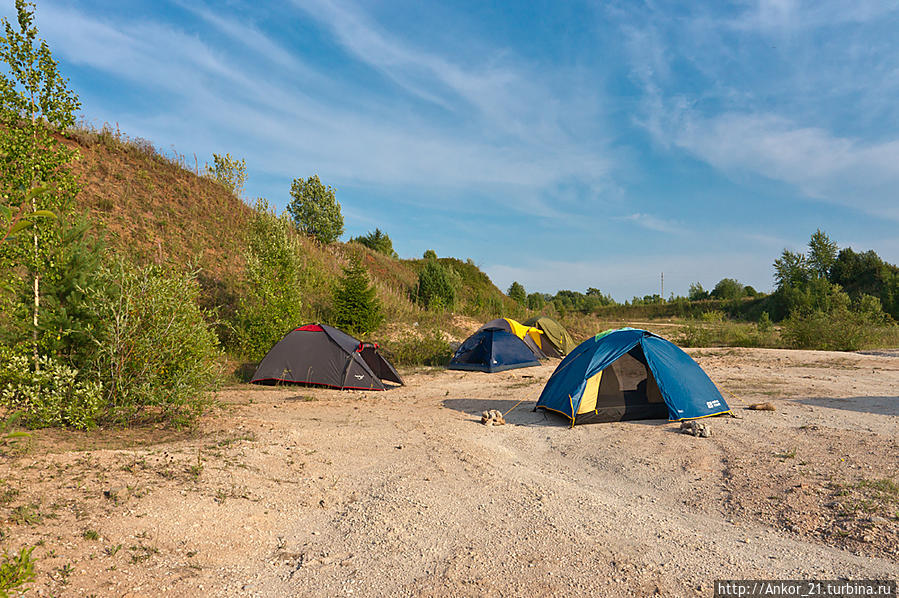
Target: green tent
pixel 555 340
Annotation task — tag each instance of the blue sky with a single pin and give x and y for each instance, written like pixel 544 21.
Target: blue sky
pixel 560 144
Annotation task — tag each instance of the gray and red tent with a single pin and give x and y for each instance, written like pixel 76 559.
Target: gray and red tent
pixel 325 356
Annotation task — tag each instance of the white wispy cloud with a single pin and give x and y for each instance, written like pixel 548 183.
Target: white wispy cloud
pixel 653 223
pixel 839 170
pixel 795 127
pixel 504 130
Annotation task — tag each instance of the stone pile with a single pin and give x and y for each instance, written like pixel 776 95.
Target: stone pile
pixel 492 418
pixel 696 429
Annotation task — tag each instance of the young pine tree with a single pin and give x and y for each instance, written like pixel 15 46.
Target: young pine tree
pixel 356 308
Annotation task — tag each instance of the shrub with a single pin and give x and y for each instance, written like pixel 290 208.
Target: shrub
pixel 837 330
pixel 356 309
pixel 229 172
pixel 435 288
pixel 694 335
pixel 270 304
pixel 156 355
pixel 430 349
pixel 764 324
pixel 52 395
pixel 15 570
pixel 315 209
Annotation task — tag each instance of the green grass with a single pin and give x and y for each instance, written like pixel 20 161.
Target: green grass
pixel 16 569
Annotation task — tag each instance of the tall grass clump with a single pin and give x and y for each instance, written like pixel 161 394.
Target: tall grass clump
pixel 156 355
pixel 430 348
pixel 714 329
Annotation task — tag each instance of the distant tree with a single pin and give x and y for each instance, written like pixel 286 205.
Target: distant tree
pixel 866 273
pixel 315 209
pixel 377 241
pixel 230 172
pixel 697 293
pixel 822 254
pixel 356 308
pixel 536 301
pixel 597 298
pixel 791 270
pixel 517 293
pixel 728 288
pixel 430 254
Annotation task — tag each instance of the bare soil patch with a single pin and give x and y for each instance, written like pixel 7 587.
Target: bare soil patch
pixel 297 491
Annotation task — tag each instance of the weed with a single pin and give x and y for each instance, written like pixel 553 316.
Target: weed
pixel 141 552
pixel 90 534
pixel 196 470
pixel 112 549
pixel 26 515
pixel 64 572
pixel 884 489
pixel 7 495
pixel 786 455
pixel 249 436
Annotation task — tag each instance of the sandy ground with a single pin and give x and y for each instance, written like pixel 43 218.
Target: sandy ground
pixel 308 492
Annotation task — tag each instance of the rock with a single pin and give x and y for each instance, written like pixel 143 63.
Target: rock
pixel 878 520
pixel 492 418
pixel 762 407
pixel 696 429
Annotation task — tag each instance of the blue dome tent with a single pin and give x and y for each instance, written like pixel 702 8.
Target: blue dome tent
pixel 492 350
pixel 630 374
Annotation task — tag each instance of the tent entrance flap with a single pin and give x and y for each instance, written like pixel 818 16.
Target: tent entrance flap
pixel 591 392
pixel 627 390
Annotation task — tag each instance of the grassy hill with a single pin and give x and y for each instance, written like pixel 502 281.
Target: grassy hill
pixel 156 208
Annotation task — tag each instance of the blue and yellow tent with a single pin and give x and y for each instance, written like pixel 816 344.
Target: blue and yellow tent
pixel 630 374
pixel 492 350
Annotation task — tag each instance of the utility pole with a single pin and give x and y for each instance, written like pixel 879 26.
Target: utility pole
pixel 663 286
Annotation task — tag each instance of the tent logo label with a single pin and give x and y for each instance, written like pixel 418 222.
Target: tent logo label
pixel 359 376
pixel 713 404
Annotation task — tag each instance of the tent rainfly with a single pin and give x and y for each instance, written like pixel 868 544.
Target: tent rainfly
pixel 492 350
pixel 555 340
pixel 325 356
pixel 530 336
pixel 630 374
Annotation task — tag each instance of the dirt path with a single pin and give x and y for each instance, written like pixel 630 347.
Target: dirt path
pixel 322 493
